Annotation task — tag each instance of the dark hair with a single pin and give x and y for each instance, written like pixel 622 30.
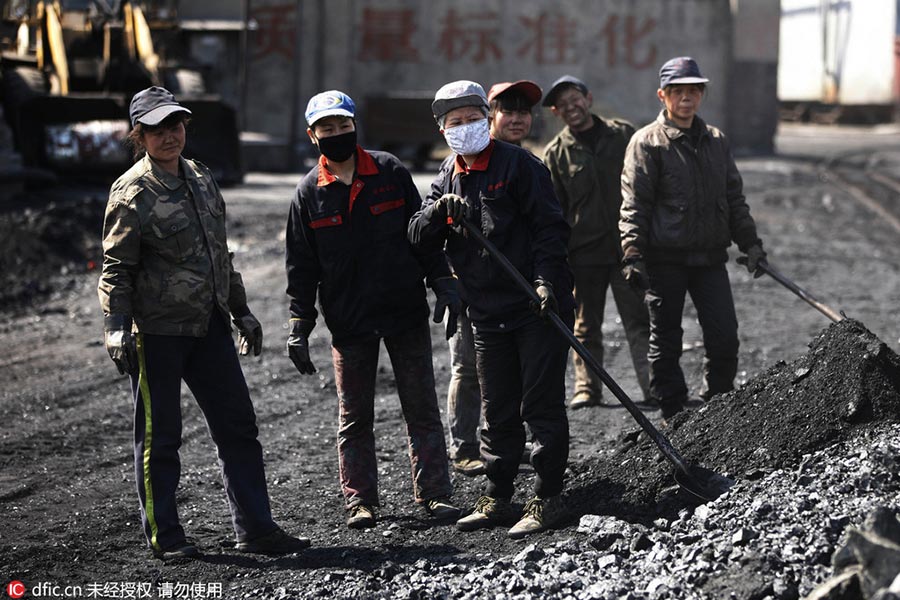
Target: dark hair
pixel 135 137
pixel 510 100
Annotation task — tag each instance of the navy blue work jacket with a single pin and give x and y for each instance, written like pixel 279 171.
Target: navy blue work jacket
pixel 349 243
pixel 510 193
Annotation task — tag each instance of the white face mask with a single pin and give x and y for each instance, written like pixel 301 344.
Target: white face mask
pixel 470 138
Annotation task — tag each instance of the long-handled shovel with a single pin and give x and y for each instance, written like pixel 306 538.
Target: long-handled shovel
pixel 701 482
pixel 803 294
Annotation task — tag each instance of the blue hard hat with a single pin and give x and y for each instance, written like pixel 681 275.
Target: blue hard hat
pixel 328 104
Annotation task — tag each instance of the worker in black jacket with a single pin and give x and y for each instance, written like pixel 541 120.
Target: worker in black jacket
pixel 682 206
pixel 520 357
pixel 346 241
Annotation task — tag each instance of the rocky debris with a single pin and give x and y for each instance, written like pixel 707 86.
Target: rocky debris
pixel 850 381
pixel 868 562
pixel 45 243
pixel 823 454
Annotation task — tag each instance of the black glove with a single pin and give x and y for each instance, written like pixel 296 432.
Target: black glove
pixel 548 304
pixel 453 206
pixel 756 257
pixel 298 345
pixel 635 273
pixel 447 300
pixel 250 334
pixel 121 343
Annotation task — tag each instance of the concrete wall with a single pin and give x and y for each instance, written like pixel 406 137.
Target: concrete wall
pixel 371 48
pixel 752 115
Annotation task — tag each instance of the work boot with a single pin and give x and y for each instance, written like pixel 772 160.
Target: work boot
pixel 539 514
pixel 669 407
pixel 470 467
pixel 440 508
pixel 487 513
pixel 362 516
pixel 178 550
pixel 584 400
pixel 276 542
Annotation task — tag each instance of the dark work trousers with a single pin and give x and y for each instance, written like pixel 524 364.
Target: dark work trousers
pixel 710 292
pixel 522 374
pixel 355 368
pixel 210 367
pixel 591 283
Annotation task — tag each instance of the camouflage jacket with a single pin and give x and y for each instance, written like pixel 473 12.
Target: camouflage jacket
pixel 165 257
pixel 587 182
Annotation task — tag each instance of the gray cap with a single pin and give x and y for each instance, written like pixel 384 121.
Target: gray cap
pixel 457 94
pixel 560 84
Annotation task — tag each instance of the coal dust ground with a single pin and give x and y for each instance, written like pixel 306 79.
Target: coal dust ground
pixel 810 393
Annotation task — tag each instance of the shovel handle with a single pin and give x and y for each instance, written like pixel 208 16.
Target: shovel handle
pixel 803 294
pixel 665 446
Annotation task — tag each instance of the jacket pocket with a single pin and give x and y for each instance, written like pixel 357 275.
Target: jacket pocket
pixel 330 221
pixel 173 237
pixel 670 226
pixel 389 219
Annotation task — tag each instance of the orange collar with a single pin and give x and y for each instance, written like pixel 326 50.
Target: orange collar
pixel 365 165
pixel 480 164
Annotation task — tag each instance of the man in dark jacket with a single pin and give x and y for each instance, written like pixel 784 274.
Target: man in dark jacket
pixel 585 161
pixel 682 206
pixel 520 358
pixel 346 240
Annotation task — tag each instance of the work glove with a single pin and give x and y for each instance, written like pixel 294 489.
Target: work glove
pixel 635 273
pixel 547 303
pixel 755 258
pixel 453 206
pixel 121 343
pixel 447 300
pixel 250 334
pixel 298 345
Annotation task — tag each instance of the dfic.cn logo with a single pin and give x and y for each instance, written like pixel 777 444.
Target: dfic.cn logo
pixel 15 589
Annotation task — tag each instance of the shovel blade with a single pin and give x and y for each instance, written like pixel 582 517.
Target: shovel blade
pixel 704 484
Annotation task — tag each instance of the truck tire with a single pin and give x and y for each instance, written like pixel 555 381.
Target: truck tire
pixel 17 86
pixel 21 84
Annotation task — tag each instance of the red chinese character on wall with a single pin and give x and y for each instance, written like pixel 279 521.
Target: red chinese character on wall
pixel 633 37
pixel 551 38
pixel 473 33
pixel 387 35
pixel 276 30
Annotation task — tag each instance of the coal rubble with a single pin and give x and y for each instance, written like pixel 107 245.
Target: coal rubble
pixel 814 446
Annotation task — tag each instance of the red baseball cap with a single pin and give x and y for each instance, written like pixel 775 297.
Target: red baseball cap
pixel 529 89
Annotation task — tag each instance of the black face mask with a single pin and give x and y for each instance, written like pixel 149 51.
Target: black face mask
pixel 338 147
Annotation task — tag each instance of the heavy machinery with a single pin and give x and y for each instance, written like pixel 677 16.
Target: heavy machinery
pixel 70 73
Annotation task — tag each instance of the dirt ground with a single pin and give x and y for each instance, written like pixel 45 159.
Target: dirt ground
pixel 68 508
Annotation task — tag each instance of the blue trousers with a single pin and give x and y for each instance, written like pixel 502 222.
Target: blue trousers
pixel 210 367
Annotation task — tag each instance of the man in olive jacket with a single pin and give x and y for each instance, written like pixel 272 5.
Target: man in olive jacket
pixel 585 161
pixel 682 206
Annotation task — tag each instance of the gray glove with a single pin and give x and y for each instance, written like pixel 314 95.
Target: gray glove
pixel 453 206
pixel 635 273
pixel 298 345
pixel 756 257
pixel 447 300
pixel 548 303
pixel 121 343
pixel 250 334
